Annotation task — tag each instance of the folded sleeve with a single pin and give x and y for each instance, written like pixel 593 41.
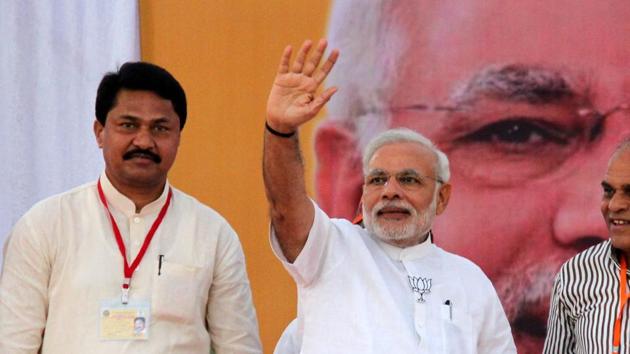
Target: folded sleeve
pixel 308 265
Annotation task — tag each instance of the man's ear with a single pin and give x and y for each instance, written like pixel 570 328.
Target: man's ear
pixel 339 175
pixel 444 194
pixel 98 132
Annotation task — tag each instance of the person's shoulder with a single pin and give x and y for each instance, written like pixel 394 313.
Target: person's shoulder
pixel 580 272
pixel 459 263
pixel 343 226
pixel 203 223
pixel 594 254
pixel 468 275
pixel 187 201
pixel 462 268
pixel 351 231
pixel 197 211
pixel 44 215
pixel 55 203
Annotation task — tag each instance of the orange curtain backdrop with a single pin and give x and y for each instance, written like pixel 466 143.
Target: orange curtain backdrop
pixel 225 54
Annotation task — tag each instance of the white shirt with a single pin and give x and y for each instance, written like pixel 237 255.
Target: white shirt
pixel 61 261
pixel 354 296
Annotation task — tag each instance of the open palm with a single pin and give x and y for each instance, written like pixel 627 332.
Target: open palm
pixel 293 99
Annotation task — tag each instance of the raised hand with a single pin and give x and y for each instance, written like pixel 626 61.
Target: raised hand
pixel 293 99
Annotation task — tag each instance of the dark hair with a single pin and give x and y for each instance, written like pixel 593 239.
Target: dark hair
pixel 140 76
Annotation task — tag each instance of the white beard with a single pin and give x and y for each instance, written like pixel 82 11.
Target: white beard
pixel 417 226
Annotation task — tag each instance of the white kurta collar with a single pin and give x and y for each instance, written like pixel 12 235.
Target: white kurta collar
pixel 409 253
pixel 120 202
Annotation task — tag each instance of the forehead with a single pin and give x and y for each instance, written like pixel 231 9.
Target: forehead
pixel 143 105
pixel 618 172
pixel 396 157
pixel 447 41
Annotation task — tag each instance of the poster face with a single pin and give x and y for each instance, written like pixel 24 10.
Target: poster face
pixel 527 98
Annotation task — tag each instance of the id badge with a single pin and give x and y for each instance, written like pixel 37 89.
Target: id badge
pixel 125 322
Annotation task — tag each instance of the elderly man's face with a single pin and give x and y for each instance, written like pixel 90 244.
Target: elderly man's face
pixel 401 195
pixel 536 116
pixel 615 204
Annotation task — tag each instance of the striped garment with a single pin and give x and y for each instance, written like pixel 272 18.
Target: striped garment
pixel 584 305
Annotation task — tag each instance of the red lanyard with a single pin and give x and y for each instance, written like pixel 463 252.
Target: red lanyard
pixel 623 299
pixel 129 269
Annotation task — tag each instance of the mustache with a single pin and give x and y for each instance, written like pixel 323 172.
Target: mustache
pixel 400 204
pixel 142 153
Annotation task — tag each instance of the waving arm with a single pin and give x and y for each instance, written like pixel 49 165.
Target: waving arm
pixel 293 101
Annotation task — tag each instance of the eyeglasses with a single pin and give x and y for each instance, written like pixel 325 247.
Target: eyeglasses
pixel 504 143
pixel 407 179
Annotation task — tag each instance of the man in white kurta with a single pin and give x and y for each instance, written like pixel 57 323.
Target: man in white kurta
pixel 62 262
pixel 127 263
pixel 355 295
pixel 385 288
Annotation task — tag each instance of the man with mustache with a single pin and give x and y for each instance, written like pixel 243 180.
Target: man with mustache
pixel 82 266
pixel 385 288
pixel 525 97
pixel 589 305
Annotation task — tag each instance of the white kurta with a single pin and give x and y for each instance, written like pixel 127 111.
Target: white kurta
pixel 62 261
pixel 355 296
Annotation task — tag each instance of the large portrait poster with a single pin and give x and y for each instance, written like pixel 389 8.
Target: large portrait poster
pixel 527 98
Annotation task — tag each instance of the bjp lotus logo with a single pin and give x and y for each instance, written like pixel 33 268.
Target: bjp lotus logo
pixel 420 286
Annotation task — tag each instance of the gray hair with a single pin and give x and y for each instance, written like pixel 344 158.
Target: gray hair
pixel 372 44
pixel 404 135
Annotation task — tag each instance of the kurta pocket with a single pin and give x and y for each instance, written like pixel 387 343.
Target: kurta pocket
pixel 176 294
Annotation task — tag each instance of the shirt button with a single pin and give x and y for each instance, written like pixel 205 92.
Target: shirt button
pixel 136 220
